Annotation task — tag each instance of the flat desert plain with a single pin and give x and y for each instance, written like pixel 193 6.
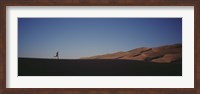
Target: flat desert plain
pixel 54 67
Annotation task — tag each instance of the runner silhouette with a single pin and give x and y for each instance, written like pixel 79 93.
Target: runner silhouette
pixel 57 55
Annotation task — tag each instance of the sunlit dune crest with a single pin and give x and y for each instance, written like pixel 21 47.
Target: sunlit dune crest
pixel 162 54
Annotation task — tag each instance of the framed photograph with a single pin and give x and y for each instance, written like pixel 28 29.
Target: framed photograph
pixel 99 47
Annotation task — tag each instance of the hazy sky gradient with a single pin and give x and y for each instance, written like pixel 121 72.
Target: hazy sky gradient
pixel 81 37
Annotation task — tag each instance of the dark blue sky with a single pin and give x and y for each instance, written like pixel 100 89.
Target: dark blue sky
pixel 81 37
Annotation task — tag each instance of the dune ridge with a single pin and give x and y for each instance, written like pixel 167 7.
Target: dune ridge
pixel 162 54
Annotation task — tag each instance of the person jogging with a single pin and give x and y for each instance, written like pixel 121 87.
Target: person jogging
pixel 57 55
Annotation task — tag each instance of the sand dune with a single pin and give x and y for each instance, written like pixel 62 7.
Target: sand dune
pixel 162 54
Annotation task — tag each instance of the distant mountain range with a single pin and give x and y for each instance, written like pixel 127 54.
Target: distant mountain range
pixel 162 54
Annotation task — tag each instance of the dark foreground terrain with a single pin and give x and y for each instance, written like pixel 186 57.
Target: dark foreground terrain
pixel 66 67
